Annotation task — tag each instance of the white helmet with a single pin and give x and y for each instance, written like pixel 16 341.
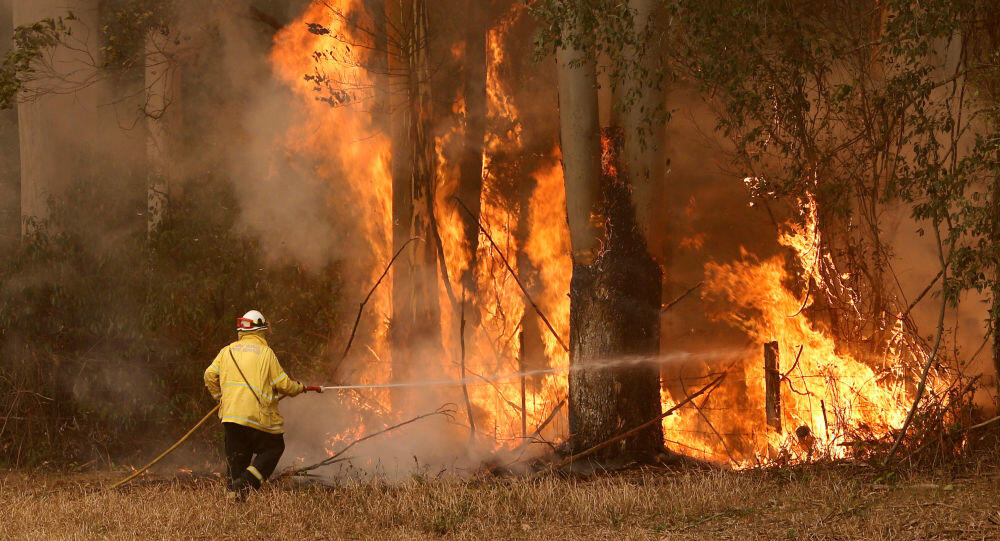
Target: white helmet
pixel 251 321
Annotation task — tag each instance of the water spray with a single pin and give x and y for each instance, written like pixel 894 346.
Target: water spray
pixel 636 360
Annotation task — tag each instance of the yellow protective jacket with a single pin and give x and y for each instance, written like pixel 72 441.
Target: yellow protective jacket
pixel 264 378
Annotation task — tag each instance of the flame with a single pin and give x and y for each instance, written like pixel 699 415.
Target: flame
pixel 493 345
pixel 830 391
pixel 341 146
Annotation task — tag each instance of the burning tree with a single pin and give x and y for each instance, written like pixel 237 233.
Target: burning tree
pixel 616 287
pixel 484 289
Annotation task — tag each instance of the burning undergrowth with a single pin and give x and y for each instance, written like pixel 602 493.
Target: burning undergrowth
pixel 503 297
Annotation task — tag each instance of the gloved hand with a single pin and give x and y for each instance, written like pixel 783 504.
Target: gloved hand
pixel 314 388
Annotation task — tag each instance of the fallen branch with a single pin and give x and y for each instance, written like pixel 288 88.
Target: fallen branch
pixel 545 423
pixel 709 423
pixel 445 410
pixel 513 274
pixel 533 438
pixel 570 459
pixel 980 425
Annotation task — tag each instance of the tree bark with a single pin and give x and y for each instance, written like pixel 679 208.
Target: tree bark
pixel 614 316
pixel 579 135
pixel 416 328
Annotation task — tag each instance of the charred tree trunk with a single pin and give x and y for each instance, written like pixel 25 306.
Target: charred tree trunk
pixel 614 315
pixel 415 331
pixel 615 289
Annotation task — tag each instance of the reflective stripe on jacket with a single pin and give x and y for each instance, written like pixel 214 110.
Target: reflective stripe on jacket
pixel 264 378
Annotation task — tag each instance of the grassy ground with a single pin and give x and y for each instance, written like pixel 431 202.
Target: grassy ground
pixel 807 502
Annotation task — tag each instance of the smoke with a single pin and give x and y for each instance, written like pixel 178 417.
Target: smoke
pixel 303 174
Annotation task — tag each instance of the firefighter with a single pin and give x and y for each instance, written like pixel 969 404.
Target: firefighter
pixel 248 380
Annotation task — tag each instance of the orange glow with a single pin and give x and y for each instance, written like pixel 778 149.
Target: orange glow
pixel 342 145
pixel 752 295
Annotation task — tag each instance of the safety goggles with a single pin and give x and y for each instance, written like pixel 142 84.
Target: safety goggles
pixel 244 324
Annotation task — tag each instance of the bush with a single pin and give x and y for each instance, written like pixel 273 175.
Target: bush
pixel 105 329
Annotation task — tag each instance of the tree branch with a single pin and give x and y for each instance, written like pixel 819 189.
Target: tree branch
pixel 513 274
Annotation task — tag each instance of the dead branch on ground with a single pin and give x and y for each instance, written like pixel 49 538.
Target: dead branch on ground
pixel 446 410
pixel 572 458
pixel 708 422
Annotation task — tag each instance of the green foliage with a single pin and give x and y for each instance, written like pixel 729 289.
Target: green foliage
pixel 861 106
pixel 106 331
pixel 125 26
pixel 607 30
pixel 31 43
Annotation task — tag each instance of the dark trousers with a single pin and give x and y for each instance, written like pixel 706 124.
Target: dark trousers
pixel 250 451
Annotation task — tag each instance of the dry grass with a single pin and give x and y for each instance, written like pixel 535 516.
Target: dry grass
pixel 815 503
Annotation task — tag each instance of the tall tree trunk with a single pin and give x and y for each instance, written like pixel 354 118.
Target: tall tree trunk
pixel 416 328
pixel 615 316
pixel 995 308
pixel 57 131
pixel 10 159
pixel 161 94
pixel 641 128
pixel 579 140
pixel 614 295
pixel 470 183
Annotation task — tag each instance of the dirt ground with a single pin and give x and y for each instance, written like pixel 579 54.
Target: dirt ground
pixel 814 502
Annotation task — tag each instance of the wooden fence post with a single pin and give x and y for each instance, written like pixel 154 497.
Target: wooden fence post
pixel 520 366
pixel 772 387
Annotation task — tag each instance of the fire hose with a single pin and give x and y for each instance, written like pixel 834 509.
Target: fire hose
pixel 435 383
pixel 209 415
pixel 169 450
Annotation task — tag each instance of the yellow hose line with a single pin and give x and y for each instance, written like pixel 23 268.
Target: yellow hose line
pixel 139 472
